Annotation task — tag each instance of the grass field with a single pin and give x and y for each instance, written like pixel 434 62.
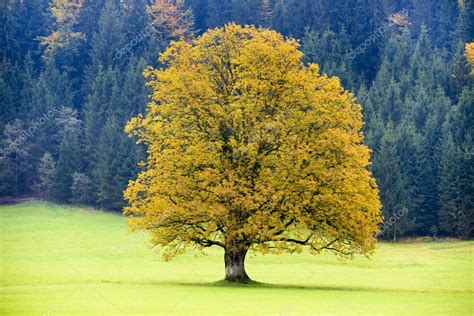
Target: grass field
pixel 58 261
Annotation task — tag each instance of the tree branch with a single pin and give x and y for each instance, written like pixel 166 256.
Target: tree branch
pixel 207 242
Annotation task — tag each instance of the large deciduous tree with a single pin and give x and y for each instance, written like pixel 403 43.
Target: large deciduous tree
pixel 248 148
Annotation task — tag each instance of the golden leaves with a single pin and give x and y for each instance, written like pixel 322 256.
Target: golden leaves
pixel 65 13
pixel 469 51
pixel 171 19
pixel 247 146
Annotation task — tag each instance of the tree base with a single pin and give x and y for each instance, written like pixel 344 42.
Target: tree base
pixel 238 279
pixel 235 267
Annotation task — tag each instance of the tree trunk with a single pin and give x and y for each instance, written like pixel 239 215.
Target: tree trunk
pixel 235 266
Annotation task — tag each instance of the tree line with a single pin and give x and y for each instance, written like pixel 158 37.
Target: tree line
pixel 71 77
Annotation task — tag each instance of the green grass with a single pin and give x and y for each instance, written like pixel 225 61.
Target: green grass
pixel 58 260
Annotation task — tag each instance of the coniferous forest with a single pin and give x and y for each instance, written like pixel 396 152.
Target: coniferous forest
pixel 72 77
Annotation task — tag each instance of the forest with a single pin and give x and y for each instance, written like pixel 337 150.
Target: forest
pixel 72 77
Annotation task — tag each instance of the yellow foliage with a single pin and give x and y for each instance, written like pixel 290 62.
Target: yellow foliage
pixel 248 147
pixel 170 18
pixel 65 13
pixel 469 50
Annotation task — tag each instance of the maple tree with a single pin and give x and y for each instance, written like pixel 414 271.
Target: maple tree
pixel 249 148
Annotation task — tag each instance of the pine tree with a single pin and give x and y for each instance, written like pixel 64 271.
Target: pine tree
pixel 384 98
pixel 465 134
pixel 278 17
pixel 329 51
pixel 407 143
pixel 219 12
pixel 29 76
pixel 460 72
pixel 34 20
pixel 102 101
pixel 23 22
pixel 82 189
pixel 7 175
pixel 66 121
pixel 466 21
pixel 387 93
pixel 69 162
pixel 199 9
pixel 456 169
pixel 16 148
pixel 49 94
pixel 134 94
pixel 292 17
pixel 46 177
pixel 265 13
pixel 421 62
pixel 394 193
pixel 104 171
pixel 428 157
pixel 133 17
pixel 88 20
pixel 10 83
pixel 449 194
pixel 108 42
pixel 445 22
pixel 117 163
pixel 421 15
pixel 245 12
pixel 9 44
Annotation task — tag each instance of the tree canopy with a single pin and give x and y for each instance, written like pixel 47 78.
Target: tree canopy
pixel 250 148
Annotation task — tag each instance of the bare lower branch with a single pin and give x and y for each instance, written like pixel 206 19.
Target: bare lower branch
pixel 207 242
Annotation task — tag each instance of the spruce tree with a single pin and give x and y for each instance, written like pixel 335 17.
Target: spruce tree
pixel 88 20
pixel 108 42
pixel 466 21
pixel 15 150
pixel 10 83
pixel 465 133
pixel 449 198
pixel 456 169
pixel 329 51
pixel 82 189
pixel 446 15
pixel 102 101
pixel 394 192
pixel 69 162
pixel 46 177
pixel 117 162
pixel 219 12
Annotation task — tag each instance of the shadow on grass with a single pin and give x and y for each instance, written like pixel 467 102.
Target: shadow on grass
pixel 259 285
pixel 262 285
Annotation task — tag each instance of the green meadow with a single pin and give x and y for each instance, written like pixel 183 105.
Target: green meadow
pixel 58 260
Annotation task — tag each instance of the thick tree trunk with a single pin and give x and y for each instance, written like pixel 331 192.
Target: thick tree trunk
pixel 235 266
